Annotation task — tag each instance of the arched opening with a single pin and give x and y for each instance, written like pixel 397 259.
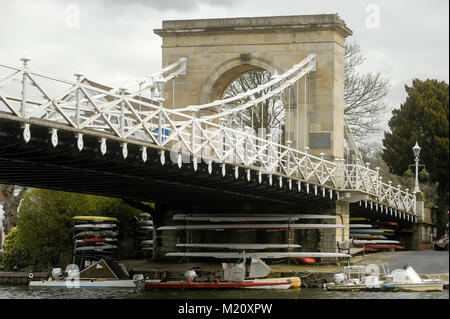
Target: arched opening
pixel 267 117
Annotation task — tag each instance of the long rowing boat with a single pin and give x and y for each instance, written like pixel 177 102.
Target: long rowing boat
pixel 283 283
pixel 262 255
pixel 250 227
pixel 241 246
pixel 249 217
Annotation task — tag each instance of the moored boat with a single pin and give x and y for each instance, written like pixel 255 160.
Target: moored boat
pixel 84 283
pixel 257 283
pixel 369 279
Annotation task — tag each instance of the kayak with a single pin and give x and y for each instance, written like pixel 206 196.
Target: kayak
pixel 96 234
pixel 382 246
pixel 95 226
pixel 368 236
pixel 306 260
pixel 367 231
pixel 96 218
pixel 145 222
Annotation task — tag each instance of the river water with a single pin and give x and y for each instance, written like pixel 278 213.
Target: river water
pixel 25 292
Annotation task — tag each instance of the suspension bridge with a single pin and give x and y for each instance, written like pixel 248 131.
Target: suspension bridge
pixel 145 141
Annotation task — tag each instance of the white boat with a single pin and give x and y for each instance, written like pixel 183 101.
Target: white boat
pixel 145 222
pixel 241 246
pixel 101 274
pixel 100 241
pixel 262 255
pixel 84 283
pixel 96 234
pixel 146 228
pixel 95 226
pixel 147 242
pixel 248 217
pixel 371 279
pixel 375 241
pixel 251 227
pixel 360 226
pixel 96 248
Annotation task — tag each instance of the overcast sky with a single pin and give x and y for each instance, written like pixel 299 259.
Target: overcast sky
pixel 113 41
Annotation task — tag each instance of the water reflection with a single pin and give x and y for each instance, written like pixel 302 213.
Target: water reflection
pixel 24 292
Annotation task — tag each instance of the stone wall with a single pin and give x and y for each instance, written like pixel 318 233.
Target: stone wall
pixel 219 50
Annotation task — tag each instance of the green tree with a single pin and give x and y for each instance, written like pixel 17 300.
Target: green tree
pixel 423 117
pixel 43 235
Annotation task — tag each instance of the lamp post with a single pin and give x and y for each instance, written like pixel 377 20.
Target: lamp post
pixel 416 149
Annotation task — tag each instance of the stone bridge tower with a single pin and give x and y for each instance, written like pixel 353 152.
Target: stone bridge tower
pixel 219 50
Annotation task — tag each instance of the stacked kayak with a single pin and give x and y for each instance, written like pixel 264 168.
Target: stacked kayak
pixel 145 234
pixel 94 236
pixel 374 235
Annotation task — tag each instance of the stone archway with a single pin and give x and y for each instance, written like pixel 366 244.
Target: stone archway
pixel 219 50
pixel 215 86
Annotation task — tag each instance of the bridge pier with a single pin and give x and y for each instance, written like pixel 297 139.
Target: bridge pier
pixel 311 240
pixel 330 237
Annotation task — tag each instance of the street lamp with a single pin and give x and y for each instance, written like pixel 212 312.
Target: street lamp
pixel 416 149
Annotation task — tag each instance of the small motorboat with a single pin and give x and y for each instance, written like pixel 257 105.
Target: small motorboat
pixel 102 274
pixel 378 278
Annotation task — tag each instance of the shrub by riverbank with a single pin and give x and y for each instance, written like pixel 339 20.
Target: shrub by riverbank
pixel 42 238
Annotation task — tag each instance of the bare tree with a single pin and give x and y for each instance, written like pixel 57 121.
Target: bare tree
pixel 364 95
pixel 267 115
pixel 11 205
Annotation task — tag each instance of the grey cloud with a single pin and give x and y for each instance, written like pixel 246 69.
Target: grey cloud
pixel 165 5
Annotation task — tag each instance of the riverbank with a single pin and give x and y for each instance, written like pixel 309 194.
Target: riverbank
pixel 429 264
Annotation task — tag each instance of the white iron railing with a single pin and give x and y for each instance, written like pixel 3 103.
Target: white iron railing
pixel 133 118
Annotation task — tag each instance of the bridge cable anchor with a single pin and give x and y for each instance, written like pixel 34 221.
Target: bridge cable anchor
pixel 80 143
pixel 103 146
pixel 179 160
pixel 54 136
pixel 162 158
pixel 224 171
pixel 124 150
pixel 26 132
pixel 210 167
pixel 144 154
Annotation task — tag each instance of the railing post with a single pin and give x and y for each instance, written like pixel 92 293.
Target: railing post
pixel 288 159
pixel 193 137
pixel 357 176
pixel 222 139
pixel 321 166
pixel 269 152
pixel 306 161
pixel 122 113
pixel 340 173
pixel 24 86
pixel 77 100
pixel 377 181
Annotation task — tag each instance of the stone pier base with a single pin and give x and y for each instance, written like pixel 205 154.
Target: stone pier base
pixel 330 237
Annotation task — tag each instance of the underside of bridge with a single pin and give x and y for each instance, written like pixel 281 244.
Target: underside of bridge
pixel 39 164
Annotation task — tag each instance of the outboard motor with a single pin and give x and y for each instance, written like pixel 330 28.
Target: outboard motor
pixel 57 274
pixel 139 281
pixel 190 274
pixel 339 278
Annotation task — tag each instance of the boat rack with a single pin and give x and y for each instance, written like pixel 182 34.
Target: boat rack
pixel 371 235
pixel 145 238
pixel 246 222
pixel 94 238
